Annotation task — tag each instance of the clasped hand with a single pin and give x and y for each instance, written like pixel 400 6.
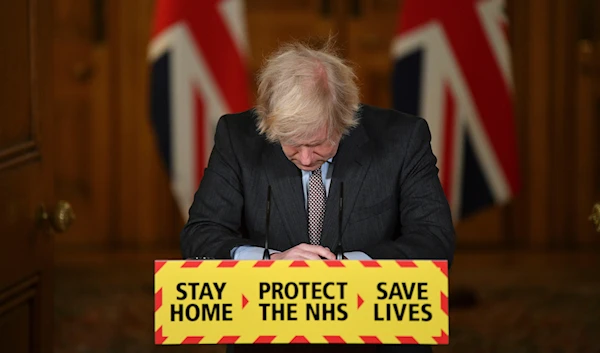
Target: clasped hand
pixel 305 252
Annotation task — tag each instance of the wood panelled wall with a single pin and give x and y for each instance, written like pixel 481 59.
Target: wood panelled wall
pixel 145 214
pixel 125 199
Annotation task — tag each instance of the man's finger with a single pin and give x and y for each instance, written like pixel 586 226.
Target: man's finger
pixel 306 247
pixel 312 248
pixel 323 252
pixel 307 255
pixel 326 253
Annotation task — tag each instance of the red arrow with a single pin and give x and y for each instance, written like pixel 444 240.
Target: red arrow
pixel 360 301
pixel 244 301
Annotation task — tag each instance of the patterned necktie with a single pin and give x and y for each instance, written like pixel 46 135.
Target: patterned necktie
pixel 316 206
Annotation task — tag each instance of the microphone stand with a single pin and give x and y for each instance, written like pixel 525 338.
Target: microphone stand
pixel 339 251
pixel 266 254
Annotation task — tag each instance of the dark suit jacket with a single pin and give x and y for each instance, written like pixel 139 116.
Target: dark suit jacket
pixel 394 205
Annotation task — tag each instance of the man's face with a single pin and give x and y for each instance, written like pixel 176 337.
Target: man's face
pixel 311 154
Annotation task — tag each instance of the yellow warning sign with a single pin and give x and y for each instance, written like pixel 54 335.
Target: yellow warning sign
pixel 284 301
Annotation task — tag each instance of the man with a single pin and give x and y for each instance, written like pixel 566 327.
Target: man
pixel 307 135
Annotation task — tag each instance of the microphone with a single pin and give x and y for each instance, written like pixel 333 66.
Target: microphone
pixel 339 251
pixel 266 254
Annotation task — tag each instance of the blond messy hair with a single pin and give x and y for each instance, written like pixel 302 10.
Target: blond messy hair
pixel 302 90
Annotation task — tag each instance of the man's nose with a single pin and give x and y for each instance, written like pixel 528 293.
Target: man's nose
pixel 305 156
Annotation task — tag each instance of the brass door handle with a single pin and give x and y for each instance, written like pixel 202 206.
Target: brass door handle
pixel 60 219
pixel 595 216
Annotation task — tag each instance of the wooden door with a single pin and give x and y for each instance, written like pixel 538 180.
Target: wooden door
pixel 25 176
pixel 81 120
pixel 587 112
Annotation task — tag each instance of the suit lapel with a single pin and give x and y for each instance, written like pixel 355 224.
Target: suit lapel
pixel 351 164
pixel 287 192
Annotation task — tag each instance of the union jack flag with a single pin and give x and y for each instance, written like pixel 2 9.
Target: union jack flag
pixel 452 67
pixel 197 54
